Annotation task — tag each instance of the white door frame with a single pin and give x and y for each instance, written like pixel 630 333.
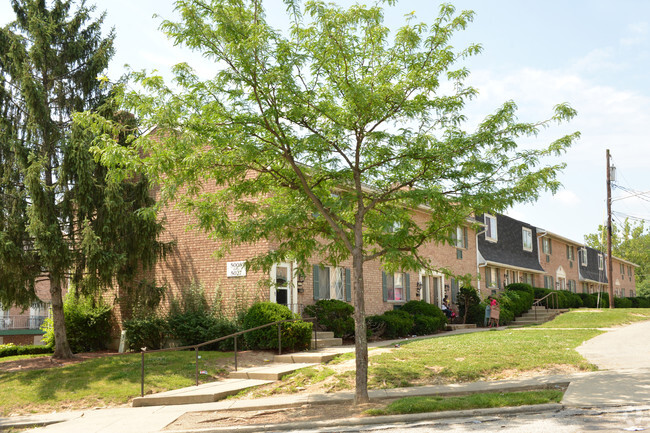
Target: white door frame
pixel 291 284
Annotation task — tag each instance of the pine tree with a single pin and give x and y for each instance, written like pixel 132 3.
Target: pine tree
pixel 62 218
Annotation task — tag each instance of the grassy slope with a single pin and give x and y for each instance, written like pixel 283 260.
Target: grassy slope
pixel 603 318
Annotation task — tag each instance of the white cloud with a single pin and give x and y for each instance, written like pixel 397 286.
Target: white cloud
pixel 636 34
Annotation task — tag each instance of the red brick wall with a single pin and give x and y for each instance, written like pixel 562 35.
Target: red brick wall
pixel 558 258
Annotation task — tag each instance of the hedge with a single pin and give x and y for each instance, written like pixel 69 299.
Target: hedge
pixel 295 335
pixel 334 316
pixel 13 350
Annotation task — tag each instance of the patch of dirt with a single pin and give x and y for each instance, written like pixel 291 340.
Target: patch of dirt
pixel 304 413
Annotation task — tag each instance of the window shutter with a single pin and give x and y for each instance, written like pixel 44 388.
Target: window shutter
pixel 498 279
pixel 316 273
pixel 384 289
pixel 550 246
pixel 348 285
pixel 407 286
pixel 487 277
pixel 465 242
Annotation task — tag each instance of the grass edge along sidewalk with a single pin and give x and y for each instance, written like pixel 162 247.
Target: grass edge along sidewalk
pixel 109 382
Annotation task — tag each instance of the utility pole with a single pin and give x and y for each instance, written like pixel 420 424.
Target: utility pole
pixel 609 233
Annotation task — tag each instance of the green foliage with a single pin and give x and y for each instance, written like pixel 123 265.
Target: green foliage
pixel 468 301
pixel 522 287
pixel 295 335
pixel 630 241
pixel 565 299
pixel 150 332
pixel 394 323
pixel 193 321
pixel 60 215
pixel 13 350
pixel 87 322
pixel 334 315
pixel 428 318
pixel 623 303
pixel 303 135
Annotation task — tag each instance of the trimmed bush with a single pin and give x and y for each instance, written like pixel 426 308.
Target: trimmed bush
pixel 87 324
pixel 623 303
pixel 427 318
pixel 150 332
pixel 521 287
pixel 395 323
pixel 334 316
pixel 295 335
pixel 13 350
pixel 195 327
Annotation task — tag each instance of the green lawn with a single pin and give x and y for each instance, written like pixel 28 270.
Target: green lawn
pixel 19 357
pixel 475 401
pixel 601 318
pixel 103 381
pixel 450 359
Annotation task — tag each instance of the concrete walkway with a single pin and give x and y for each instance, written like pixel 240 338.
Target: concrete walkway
pixel 626 383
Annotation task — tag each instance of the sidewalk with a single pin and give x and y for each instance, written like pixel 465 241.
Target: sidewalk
pixel 629 386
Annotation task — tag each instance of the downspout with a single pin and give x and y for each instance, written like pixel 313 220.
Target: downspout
pixel 478 264
pixel 539 250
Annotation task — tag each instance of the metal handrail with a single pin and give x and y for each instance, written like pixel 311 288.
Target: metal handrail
pixel 234 335
pixel 554 297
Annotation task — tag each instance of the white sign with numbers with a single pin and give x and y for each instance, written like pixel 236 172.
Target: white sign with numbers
pixel 236 269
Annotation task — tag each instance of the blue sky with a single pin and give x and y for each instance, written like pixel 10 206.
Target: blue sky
pixel 593 54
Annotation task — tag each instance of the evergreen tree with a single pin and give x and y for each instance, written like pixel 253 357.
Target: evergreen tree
pixel 62 219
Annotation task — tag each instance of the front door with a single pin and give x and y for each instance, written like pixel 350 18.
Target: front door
pixel 281 284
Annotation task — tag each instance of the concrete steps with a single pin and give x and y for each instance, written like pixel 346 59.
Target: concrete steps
pixel 204 393
pixel 454 327
pixel 275 371
pixel 543 315
pixel 325 339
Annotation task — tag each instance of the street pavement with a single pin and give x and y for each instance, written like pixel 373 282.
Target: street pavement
pixel 622 353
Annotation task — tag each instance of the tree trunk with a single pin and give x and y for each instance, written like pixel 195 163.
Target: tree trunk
pixel 360 335
pixel 61 345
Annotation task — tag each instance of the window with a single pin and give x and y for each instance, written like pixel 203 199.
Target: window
pixel 547 248
pixel 527 238
pixel 548 282
pixel 585 288
pixel 571 285
pixel 583 257
pixel 629 271
pixel 601 264
pixel 460 237
pixel 396 287
pixel 570 252
pixel 332 283
pixel 492 278
pixel 491 230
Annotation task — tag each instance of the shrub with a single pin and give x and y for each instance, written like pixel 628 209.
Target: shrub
pixel 150 332
pixel 422 312
pixel 295 335
pixel 11 349
pixel 334 316
pixel 192 321
pixel 87 324
pixel 395 323
pixel 521 287
pixel 622 303
pixel 467 299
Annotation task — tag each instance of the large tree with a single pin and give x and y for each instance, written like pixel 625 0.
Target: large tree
pixel 62 220
pixel 630 241
pixel 325 137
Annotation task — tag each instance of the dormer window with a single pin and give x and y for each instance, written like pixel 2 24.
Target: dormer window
pixel 583 257
pixel 527 238
pixel 491 228
pixel 601 262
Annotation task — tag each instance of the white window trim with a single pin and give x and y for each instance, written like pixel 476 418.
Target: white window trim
pixel 583 257
pixel 494 238
pixel 601 262
pixel 530 238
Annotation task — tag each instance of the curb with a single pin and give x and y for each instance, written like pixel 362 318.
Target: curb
pixel 384 419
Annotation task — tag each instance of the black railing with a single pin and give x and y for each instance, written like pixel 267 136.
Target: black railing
pixel 551 300
pixel 216 340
